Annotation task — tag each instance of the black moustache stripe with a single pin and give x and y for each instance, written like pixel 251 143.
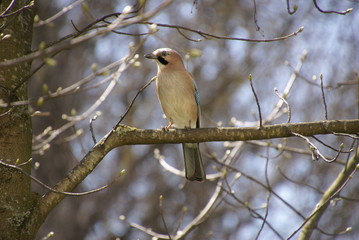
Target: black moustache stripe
pixel 162 60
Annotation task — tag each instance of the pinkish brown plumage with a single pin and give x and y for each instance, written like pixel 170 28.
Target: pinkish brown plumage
pixel 178 96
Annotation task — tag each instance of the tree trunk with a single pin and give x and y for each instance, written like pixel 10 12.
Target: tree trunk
pixel 16 198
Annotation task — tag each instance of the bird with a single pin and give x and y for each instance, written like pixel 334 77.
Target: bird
pixel 178 95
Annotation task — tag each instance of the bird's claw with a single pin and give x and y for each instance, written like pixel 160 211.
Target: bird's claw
pixel 164 128
pixel 167 127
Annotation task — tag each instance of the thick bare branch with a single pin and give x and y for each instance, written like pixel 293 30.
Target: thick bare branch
pixel 124 135
pixel 129 136
pixel 342 179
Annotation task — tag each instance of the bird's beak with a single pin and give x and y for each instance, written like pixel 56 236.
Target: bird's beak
pixel 150 56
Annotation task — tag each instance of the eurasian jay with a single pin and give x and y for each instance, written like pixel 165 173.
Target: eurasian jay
pixel 179 99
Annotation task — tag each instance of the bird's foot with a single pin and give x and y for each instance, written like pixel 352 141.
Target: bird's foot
pixel 167 127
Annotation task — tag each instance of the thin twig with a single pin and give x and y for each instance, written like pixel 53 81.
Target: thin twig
pixel 74 26
pixel 282 148
pixel 76 119
pixel 165 165
pixel 312 82
pixel 125 63
pixel 73 88
pixel 323 98
pixel 264 186
pixel 27 77
pixel 91 128
pixel 148 231
pixel 58 14
pixel 92 27
pixel 177 172
pixel 134 99
pixel 289 10
pixel 296 182
pixel 316 154
pixel 194 5
pixel 288 87
pixel 311 187
pixel 331 11
pixel 180 221
pixel 255 16
pixel 24 163
pixel 269 193
pixel 48 236
pixel 212 204
pixel 286 103
pixel 328 146
pixel 190 39
pixel 7 112
pixel 346 135
pixel 8 8
pixel 163 217
pixel 253 212
pixel 258 105
pixel 4 15
pixel 102 98
pixel 56 191
pixel 118 23
pixel 209 35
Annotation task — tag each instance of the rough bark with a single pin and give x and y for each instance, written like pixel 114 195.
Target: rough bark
pixel 16 198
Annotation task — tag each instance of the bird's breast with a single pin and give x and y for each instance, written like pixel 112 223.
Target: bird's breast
pixel 175 92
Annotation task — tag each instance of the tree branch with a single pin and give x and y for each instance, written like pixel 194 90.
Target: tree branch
pixel 343 178
pixel 125 135
pixel 120 22
pixel 132 136
pixel 206 35
pixel 59 14
pixel 331 11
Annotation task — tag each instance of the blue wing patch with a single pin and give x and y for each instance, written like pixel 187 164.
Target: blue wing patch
pixel 196 93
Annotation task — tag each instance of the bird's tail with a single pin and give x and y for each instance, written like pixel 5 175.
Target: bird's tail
pixel 193 162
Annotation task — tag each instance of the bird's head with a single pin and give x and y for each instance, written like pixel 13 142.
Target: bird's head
pixel 165 58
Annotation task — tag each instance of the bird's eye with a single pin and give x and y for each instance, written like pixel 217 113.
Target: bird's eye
pixel 165 53
pixel 162 60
